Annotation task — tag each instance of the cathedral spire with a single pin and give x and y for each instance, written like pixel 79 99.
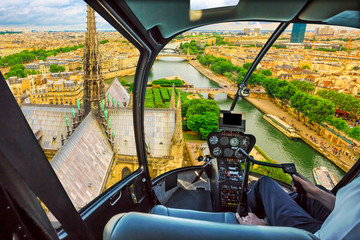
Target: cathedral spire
pixel 178 133
pixel 177 140
pixel 93 78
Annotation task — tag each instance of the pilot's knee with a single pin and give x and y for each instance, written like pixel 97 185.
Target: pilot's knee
pixel 265 180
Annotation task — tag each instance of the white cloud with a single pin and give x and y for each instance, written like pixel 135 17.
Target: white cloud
pixel 46 15
pixel 61 15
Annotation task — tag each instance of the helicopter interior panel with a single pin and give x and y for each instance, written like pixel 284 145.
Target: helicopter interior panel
pixel 228 174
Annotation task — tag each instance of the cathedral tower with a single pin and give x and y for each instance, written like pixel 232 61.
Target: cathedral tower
pixel 93 78
pixel 177 140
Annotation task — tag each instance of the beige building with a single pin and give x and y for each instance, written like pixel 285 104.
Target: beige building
pixel 58 92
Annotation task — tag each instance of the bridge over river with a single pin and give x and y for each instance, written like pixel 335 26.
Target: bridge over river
pixel 213 93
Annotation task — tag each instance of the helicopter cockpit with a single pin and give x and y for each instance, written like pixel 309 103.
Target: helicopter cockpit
pixel 72 167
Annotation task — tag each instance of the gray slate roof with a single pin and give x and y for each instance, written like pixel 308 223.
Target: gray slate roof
pixel 82 163
pixel 159 127
pixel 50 121
pixel 120 94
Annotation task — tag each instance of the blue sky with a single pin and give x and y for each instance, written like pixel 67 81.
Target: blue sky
pixel 60 15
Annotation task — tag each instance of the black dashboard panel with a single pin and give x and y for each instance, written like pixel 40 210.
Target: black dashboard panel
pixel 227 185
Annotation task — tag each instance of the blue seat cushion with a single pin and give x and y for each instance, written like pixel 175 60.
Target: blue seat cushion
pixel 220 217
pixel 139 226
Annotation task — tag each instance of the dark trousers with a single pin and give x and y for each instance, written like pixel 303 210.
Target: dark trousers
pixel 267 198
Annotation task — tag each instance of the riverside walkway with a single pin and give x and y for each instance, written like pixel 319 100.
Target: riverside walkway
pixel 308 136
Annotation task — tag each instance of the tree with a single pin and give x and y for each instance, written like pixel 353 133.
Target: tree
pixel 306 67
pixel 341 125
pixel 53 68
pixel 103 41
pixel 355 133
pixel 131 87
pixel 319 110
pixel 247 65
pixel 356 68
pixel 61 69
pixel 123 82
pixel 266 72
pixel 202 116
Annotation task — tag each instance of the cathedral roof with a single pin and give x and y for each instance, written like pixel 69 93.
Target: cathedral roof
pixel 159 127
pixel 48 123
pixel 120 94
pixel 83 162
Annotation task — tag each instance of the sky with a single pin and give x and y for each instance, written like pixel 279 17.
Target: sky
pixel 66 15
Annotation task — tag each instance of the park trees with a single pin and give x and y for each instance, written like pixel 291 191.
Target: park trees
pixel 192 48
pixel 319 110
pixel 299 101
pixel 55 68
pixel 304 86
pixel 124 82
pixel 16 70
pixel 355 133
pixel 247 65
pixel 266 72
pixel 202 116
pixel 342 101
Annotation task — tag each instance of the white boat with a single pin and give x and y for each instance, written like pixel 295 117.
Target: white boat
pixel 324 177
pixel 281 126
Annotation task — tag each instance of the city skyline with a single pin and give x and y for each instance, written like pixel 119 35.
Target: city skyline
pixel 69 15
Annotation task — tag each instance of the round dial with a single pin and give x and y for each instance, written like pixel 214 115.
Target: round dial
pixel 234 142
pixel 213 140
pixel 224 141
pixel 245 142
pixel 228 152
pixel 217 151
pixel 238 154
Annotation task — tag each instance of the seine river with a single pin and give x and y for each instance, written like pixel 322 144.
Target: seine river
pixel 273 142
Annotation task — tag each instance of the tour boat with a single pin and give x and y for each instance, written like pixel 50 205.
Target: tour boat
pixel 282 126
pixel 325 178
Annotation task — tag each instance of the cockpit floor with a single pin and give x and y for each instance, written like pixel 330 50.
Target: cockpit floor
pixel 199 200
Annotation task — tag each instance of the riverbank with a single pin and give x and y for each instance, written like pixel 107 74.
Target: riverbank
pixel 120 73
pixel 209 74
pixel 307 135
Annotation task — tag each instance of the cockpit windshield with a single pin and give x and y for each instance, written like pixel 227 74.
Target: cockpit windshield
pixel 75 84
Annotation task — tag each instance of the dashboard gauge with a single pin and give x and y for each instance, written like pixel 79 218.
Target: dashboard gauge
pixel 238 154
pixel 228 152
pixel 217 151
pixel 234 142
pixel 224 141
pixel 245 142
pixel 213 140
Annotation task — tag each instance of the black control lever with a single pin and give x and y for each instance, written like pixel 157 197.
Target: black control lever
pixel 286 167
pixel 290 169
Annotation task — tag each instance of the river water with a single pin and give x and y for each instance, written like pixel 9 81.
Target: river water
pixel 273 142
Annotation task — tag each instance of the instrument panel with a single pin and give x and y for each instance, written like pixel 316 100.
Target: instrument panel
pixel 224 147
pixel 226 144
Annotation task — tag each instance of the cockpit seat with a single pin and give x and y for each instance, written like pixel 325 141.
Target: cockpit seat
pixel 220 217
pixel 136 226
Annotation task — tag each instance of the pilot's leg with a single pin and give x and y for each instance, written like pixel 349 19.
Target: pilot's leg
pixel 267 198
pixel 311 206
